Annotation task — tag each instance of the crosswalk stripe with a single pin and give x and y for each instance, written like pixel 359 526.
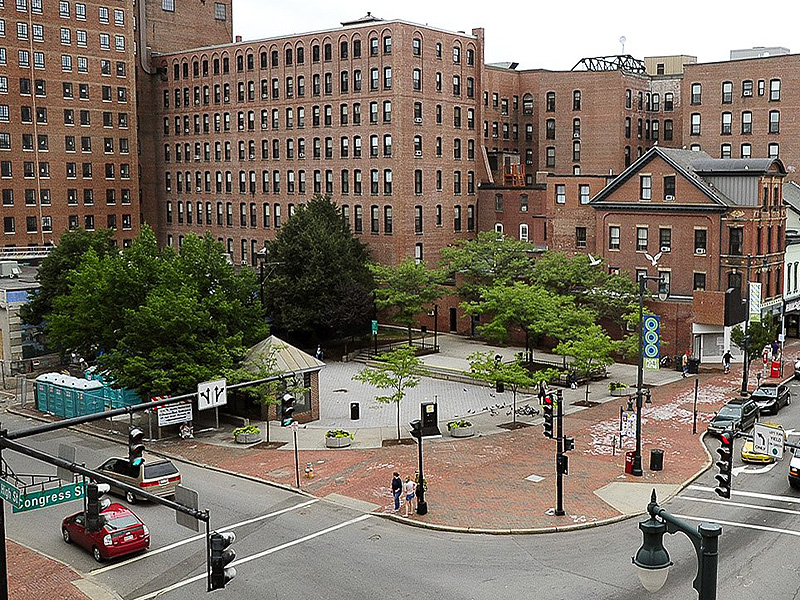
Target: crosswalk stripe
pixel 790 499
pixel 742 505
pixel 742 525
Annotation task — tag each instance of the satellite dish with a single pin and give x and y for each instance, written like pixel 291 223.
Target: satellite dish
pixel 622 41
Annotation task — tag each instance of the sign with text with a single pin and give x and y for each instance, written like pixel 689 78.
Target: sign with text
pixel 768 440
pixel 755 301
pixel 628 424
pixel 651 342
pixel 211 394
pixel 174 414
pixel 10 493
pixel 374 327
pixel 50 497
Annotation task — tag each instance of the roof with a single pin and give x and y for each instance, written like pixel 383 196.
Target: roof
pixel 734 165
pixel 288 358
pixel 791 195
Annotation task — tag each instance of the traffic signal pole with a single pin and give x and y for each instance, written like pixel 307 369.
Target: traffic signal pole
pixel 560 456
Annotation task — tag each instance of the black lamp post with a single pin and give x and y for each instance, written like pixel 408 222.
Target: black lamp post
pixel 746 339
pixel 663 292
pixel 652 559
pixel 416 432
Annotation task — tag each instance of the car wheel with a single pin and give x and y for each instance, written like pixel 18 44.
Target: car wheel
pixel 96 553
pixel 130 497
pixel 794 484
pixel 65 534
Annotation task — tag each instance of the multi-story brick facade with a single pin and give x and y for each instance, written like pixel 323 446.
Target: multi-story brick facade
pixel 68 139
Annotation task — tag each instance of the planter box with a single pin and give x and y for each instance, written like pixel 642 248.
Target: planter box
pixel 623 391
pixel 338 442
pixel 247 438
pixel 461 432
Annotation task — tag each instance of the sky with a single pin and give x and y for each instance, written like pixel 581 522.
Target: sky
pixel 549 35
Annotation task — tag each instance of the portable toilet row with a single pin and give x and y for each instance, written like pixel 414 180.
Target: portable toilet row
pixel 67 396
pixel 116 397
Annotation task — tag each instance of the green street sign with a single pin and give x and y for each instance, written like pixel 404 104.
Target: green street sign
pixel 10 493
pixel 374 327
pixel 50 497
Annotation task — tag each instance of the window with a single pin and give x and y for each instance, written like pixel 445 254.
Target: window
pixel 550 129
pixel 220 13
pixel 580 237
pixel 168 5
pixel 774 90
pixel 418 219
pixel 576 100
pixel 699 282
pixel 668 130
pixel 550 157
pixel 641 239
pixel 695 124
pixel 550 102
pixel 774 121
pixel 746 150
pixel 747 88
pixel 747 122
pixel 613 237
pixel 645 187
pixel 696 93
pixel 735 241
pixel 664 239
pixel 523 232
pixel 669 188
pixel 727 92
pixel 772 150
pixel 561 194
pixel 727 119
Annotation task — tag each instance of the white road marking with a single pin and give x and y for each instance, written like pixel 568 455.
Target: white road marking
pixel 743 525
pixel 745 469
pixel 791 499
pixel 201 536
pixel 787 511
pixel 258 555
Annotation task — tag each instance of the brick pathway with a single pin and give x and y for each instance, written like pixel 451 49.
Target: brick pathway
pixel 52 579
pixel 480 482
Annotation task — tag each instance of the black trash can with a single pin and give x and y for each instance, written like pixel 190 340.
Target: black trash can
pixel 355 411
pixel 694 365
pixel 678 362
pixel 656 460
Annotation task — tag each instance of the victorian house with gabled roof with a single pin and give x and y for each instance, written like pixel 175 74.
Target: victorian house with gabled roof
pixel 705 226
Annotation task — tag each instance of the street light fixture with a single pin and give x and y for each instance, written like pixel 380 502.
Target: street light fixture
pixel 663 294
pixel 652 559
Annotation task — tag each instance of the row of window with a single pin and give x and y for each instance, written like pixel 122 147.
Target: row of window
pixel 696 96
pixel 774 123
pixel 31 223
pixel 29 170
pixel 650 101
pixel 664 239
pixel 296 182
pixel 296 148
pixel 296 55
pixel 745 150
pixel 85 118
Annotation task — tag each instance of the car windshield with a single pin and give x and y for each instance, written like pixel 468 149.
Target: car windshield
pixel 161 469
pixel 729 412
pixel 122 522
pixel 766 391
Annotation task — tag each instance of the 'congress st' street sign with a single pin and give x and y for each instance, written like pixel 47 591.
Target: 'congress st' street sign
pixel 50 497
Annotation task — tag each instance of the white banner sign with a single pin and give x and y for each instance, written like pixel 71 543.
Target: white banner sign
pixel 755 301
pixel 628 423
pixel 174 414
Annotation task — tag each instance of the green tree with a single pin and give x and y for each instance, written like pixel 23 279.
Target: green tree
pixel 759 334
pixel 490 259
pixel 405 290
pixel 159 321
pixel 489 368
pixel 591 348
pixel 53 274
pixel 321 285
pixel 397 371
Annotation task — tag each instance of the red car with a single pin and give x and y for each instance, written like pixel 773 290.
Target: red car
pixel 122 533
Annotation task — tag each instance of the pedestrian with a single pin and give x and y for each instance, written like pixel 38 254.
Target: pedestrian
pixel 397 490
pixel 319 354
pixel 409 489
pixel 542 391
pixel 685 364
pixel 776 346
pixel 726 361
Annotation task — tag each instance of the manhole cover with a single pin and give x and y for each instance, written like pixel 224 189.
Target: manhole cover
pixel 512 426
pixel 587 403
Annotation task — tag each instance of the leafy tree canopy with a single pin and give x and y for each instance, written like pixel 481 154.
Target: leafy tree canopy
pixel 590 348
pixel 159 321
pixel 759 334
pixel 60 262
pixel 318 284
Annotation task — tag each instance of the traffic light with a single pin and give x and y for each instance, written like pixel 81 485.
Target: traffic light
pixel 724 464
pixel 569 444
pixel 135 447
pixel 287 409
pixel 548 416
pixel 95 504
pixel 222 555
pixel 416 428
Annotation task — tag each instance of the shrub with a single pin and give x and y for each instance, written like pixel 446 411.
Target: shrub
pixel 616 385
pixel 338 433
pixel 251 429
pixel 457 424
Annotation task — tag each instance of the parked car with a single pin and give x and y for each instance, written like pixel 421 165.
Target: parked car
pixel 750 456
pixel 122 533
pixel 797 368
pixel 771 397
pixel 794 469
pixel 159 477
pixel 737 414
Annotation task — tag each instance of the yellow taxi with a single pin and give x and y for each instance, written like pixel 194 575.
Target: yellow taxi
pixel 750 456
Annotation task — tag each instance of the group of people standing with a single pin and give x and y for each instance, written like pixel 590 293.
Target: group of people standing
pixel 404 493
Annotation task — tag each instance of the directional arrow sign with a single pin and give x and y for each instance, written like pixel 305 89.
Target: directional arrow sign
pixel 211 394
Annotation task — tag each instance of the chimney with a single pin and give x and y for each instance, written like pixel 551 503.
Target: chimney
pixel 238 39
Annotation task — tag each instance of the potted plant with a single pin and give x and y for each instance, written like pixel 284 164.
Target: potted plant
pixel 247 435
pixel 618 388
pixel 338 438
pixel 461 428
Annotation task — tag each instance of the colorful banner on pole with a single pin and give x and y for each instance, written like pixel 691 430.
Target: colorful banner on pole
pixel 651 349
pixel 754 288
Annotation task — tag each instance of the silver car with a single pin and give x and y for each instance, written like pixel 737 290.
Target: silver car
pixel 159 477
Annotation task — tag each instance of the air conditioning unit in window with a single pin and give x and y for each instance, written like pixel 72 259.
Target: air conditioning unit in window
pixel 301 154
pixel 665 248
pixel 417 119
pixel 199 189
pixel 576 135
pixel 186 130
pixel 747 93
pixel 669 198
pixel 417 152
pixel 226 99
pixel 699 250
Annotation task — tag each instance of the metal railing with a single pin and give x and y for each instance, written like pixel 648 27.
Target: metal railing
pixel 24 252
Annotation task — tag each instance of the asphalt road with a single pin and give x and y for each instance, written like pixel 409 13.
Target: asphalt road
pixel 290 546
